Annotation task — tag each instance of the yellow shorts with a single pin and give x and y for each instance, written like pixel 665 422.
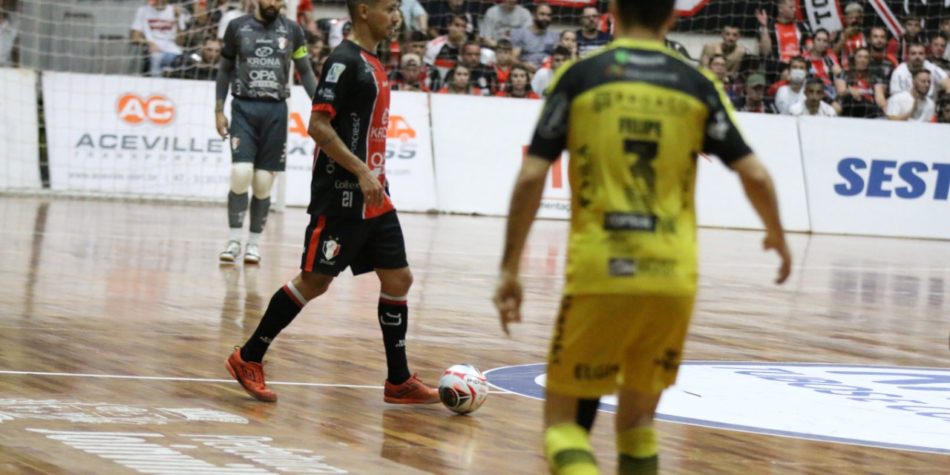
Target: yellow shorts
pixel 605 342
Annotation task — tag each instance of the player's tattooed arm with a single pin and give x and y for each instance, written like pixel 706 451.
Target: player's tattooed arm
pixel 306 75
pixel 225 72
pixel 223 81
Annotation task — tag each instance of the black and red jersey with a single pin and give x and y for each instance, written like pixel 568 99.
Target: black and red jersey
pixel 354 91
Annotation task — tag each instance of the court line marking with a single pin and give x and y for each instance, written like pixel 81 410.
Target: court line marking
pixel 181 379
pixel 197 380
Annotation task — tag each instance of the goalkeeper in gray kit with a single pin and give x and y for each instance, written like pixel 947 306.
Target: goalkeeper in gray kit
pixel 255 64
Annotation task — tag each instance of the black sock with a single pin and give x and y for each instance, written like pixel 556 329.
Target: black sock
pixel 259 210
pixel 282 309
pixel 393 320
pixel 237 207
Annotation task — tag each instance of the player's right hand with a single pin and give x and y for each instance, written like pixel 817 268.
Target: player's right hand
pixel 777 242
pixel 372 189
pixel 221 123
pixel 508 296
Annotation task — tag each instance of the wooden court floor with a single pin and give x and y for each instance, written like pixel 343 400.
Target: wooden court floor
pixel 117 318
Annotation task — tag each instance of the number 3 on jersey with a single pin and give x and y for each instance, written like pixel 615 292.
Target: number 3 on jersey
pixel 642 153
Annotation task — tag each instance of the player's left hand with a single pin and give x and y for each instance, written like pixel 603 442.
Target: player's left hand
pixel 508 295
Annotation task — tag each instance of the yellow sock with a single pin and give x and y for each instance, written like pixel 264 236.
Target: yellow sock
pixel 568 450
pixel 637 452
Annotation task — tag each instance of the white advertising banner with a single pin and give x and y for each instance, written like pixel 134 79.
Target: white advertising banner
pixel 408 152
pixel 475 175
pixel 877 178
pixel 19 131
pixel 720 199
pixel 141 136
pixel 479 145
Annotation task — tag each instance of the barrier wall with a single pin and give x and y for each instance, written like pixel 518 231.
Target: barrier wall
pixel 18 131
pixel 130 135
pixel 143 136
pixel 461 154
pixel 877 178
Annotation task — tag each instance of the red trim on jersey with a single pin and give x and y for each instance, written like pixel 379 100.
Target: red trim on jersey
pixel 314 244
pixel 324 108
pixel 376 135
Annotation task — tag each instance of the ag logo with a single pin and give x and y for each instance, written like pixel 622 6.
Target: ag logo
pixel 157 109
pixel 263 52
pixel 331 248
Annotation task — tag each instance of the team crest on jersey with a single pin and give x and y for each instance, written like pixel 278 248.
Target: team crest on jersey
pixel 281 42
pixel 331 248
pixel 336 70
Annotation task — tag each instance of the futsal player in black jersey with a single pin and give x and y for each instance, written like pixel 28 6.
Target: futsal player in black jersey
pixel 353 221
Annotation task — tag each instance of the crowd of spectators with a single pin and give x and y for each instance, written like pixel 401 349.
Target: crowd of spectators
pixel 510 48
pixel 860 71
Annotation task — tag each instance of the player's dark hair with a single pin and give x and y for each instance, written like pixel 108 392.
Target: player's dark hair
pixel 351 6
pixel 649 14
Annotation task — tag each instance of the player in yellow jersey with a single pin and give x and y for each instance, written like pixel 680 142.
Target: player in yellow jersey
pixel 633 116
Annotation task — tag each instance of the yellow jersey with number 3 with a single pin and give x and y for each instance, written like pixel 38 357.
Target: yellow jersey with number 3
pixel 634 116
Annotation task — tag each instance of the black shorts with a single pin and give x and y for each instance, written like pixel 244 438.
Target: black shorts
pixel 333 243
pixel 259 133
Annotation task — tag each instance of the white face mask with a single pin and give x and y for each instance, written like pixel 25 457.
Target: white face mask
pixel 797 75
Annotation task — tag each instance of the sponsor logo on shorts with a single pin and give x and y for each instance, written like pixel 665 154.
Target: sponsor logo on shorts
pixel 134 109
pixel 235 143
pixel 586 372
pixel 331 249
pixel 336 69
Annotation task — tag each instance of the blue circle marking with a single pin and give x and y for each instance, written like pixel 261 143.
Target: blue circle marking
pixel 877 406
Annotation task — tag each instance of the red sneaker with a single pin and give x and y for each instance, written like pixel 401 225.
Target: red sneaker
pixel 412 391
pixel 251 377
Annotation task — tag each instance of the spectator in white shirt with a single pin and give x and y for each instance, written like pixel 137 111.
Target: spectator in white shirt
pixel 500 20
pixel 914 105
pixel 414 15
pixel 247 7
pixel 902 79
pixel 813 105
pixel 159 27
pixel 793 92
pixel 8 34
pixel 542 78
